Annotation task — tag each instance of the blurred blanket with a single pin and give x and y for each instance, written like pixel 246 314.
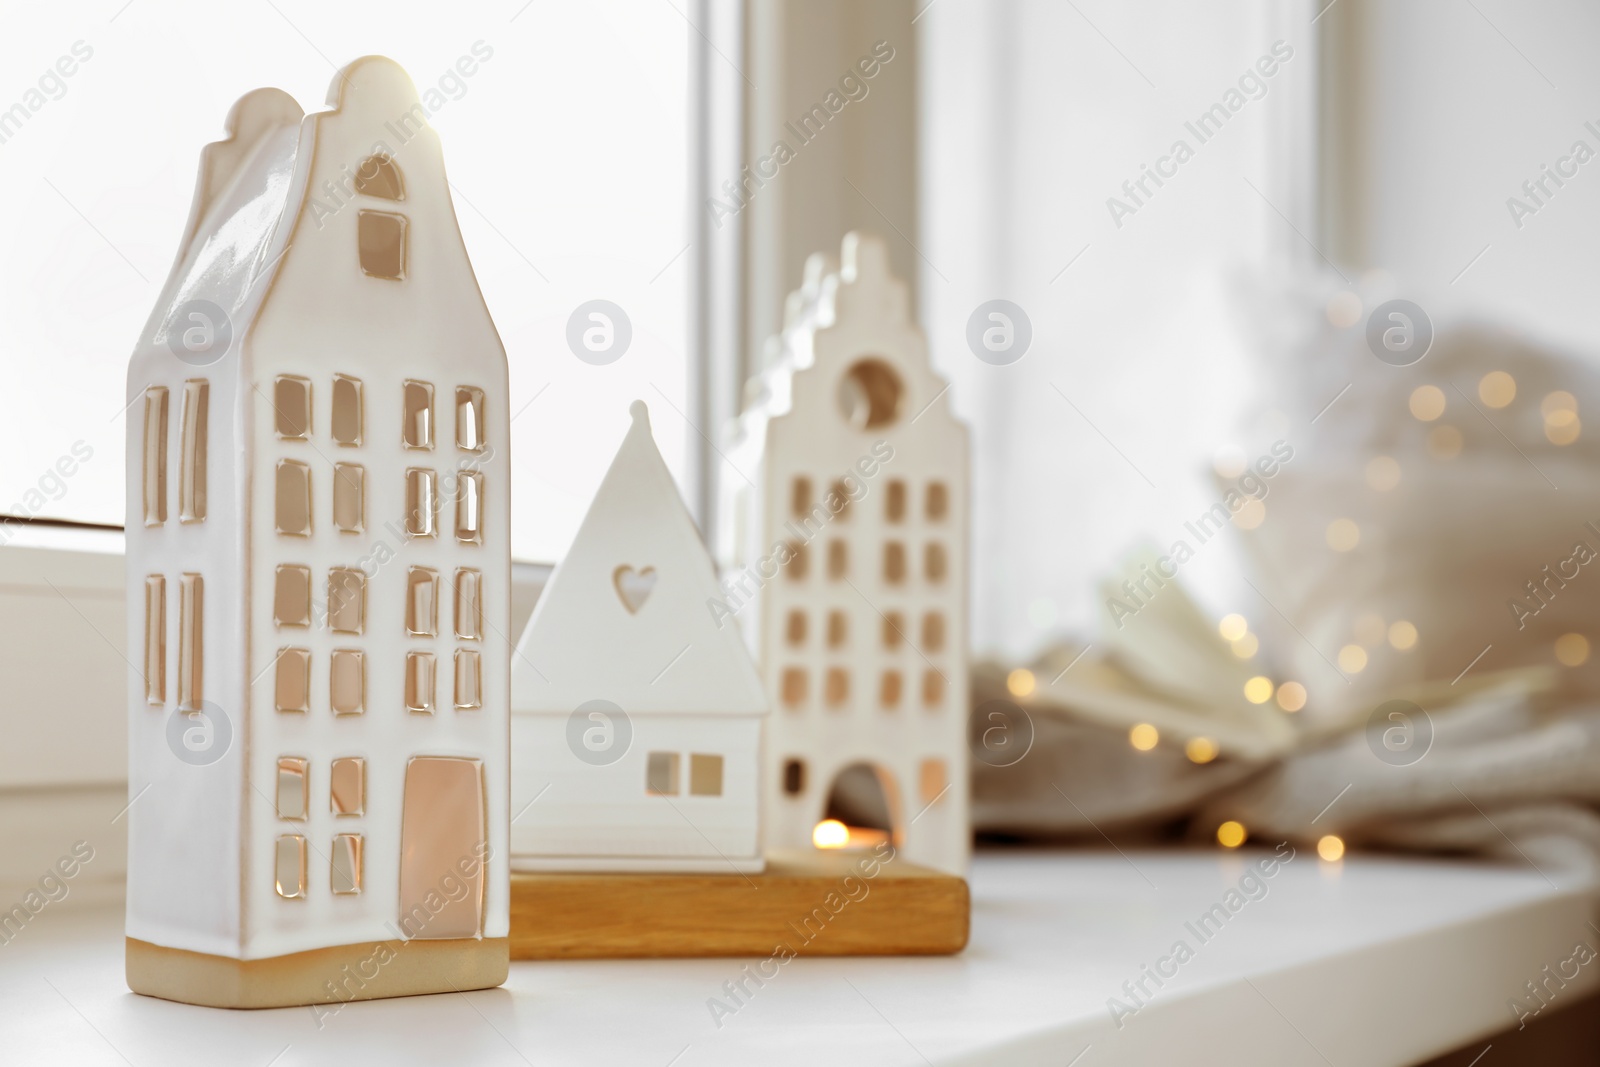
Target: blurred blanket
pixel 1453 497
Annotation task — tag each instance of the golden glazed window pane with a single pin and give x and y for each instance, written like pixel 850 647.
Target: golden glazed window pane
pixel 293 788
pixel 378 176
pixel 932 779
pixel 894 562
pixel 347 682
pixel 293 498
pixel 349 497
pixel 469 604
pixel 348 415
pixel 291 595
pixel 155 456
pixel 661 774
pixel 422 602
pixel 347 600
pixel 155 639
pixel 422 503
pixel 838 629
pixel 794 687
pixel 469 508
pixel 345 872
pixel 191 638
pixel 932 689
pixel 347 786
pixel 443 831
pixel 381 238
pixel 291 405
pixel 889 689
pixel 419 682
pixel 894 629
pixel 469 418
pixel 192 473
pixel 837 688
pixel 416 426
pixel 705 775
pixel 469 689
pixel 292 685
pixel 290 873
pixel 895 502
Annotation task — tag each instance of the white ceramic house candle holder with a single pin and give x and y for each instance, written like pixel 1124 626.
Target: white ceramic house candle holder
pixel 319 574
pixel 846 560
pixel 636 718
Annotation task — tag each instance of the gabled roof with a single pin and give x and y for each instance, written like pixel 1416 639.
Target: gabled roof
pixel 671 654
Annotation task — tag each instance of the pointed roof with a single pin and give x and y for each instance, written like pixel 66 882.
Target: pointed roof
pixel 668 653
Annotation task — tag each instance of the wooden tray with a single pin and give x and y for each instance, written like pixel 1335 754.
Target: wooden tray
pixel 814 903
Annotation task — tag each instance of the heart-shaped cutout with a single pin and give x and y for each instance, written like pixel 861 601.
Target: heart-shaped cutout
pixel 633 586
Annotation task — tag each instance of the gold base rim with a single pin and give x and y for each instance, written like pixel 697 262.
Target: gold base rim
pixel 366 970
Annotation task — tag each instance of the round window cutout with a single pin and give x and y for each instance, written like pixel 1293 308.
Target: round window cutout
pixel 870 394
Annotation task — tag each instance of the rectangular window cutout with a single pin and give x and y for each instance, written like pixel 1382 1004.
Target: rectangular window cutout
pixel 794 629
pixel 469 418
pixel 291 404
pixel 422 504
pixel 841 493
pixel 705 775
pixel 836 689
pixel 192 472
pixel 469 508
pixel 794 777
pixel 290 867
pixel 347 682
pixel 345 872
pixel 348 415
pixel 416 428
pixel 894 562
pixel 349 497
pixel 191 642
pixel 799 562
pixel 347 786
pixel 661 774
pixel 933 632
pixel 291 595
pixel 838 559
pixel 381 239
pixel 422 602
pixel 155 455
pixel 292 682
pixel 938 501
pixel 838 629
pixel 155 640
pixel 889 689
pixel 794 687
pixel 932 689
pixel 894 629
pixel 419 682
pixel 934 563
pixel 292 507
pixel 933 780
pixel 294 793
pixel 800 497
pixel 469 680
pixel 895 501
pixel 347 600
pixel 469 604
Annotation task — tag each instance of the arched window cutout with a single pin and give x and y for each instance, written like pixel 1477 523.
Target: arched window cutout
pixel 378 176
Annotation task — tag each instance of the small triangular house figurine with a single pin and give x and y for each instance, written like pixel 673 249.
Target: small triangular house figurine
pixel 846 562
pixel 318 572
pixel 636 718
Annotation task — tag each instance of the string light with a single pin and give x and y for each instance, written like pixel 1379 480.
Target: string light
pixel 1352 659
pixel 830 833
pixel 1331 848
pixel 1231 834
pixel 1402 635
pixel 1291 696
pixel 1572 650
pixel 1200 750
pixel 1258 690
pixel 1020 682
pixel 1427 402
pixel 1246 646
pixel 1144 737
pixel 1497 389
pixel 1233 627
